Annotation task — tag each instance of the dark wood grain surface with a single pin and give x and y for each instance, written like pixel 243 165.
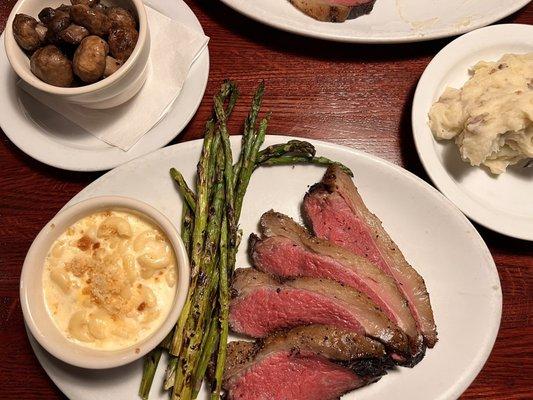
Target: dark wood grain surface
pixel 355 95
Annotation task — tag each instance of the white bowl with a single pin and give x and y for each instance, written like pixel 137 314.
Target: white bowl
pixel 33 303
pixel 109 92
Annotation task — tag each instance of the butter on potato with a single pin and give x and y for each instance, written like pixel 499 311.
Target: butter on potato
pixel 491 116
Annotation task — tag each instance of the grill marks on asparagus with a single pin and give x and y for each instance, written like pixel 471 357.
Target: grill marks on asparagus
pixel 219 248
pixel 203 296
pixel 228 234
pixel 210 198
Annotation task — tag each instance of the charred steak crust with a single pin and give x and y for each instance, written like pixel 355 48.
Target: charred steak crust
pixel 253 239
pixel 327 11
pixel 239 354
pixel 336 182
pixel 322 11
pixel 334 343
pixel 371 368
pixel 364 357
pixel 362 9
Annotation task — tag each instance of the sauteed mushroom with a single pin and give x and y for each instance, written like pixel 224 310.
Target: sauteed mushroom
pixel 60 21
pixel 47 14
pixel 122 42
pixel 121 18
pixel 64 8
pixel 56 21
pixel 50 65
pixel 90 3
pixel 24 30
pixel 90 59
pixel 41 31
pixel 100 7
pixel 73 34
pixel 111 66
pixel 95 21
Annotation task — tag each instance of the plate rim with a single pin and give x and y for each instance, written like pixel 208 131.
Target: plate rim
pixel 280 25
pixel 100 159
pixel 479 361
pixel 424 140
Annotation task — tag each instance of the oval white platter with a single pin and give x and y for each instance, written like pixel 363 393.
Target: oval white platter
pixel 50 138
pixel 391 21
pixel 501 203
pixel 434 235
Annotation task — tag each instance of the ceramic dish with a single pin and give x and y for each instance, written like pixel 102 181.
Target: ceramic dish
pixel 391 21
pixel 434 235
pixel 107 93
pixel 52 139
pixel 33 305
pixel 501 203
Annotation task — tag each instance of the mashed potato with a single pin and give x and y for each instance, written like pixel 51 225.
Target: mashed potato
pixel 491 116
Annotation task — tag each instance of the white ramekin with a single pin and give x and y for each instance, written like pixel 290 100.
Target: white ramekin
pixel 33 303
pixel 109 92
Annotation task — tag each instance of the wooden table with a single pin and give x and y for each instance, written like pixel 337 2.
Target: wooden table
pixel 355 95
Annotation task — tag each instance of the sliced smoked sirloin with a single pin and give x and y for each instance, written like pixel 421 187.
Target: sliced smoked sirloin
pixel 334 10
pixel 337 213
pixel 313 362
pixel 289 251
pixel 262 305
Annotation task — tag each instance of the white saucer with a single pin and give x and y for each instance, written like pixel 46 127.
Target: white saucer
pixel 52 139
pixel 504 203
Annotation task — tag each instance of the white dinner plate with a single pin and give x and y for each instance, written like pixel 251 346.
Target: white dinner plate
pixel 434 235
pixel 52 139
pixel 391 21
pixel 503 203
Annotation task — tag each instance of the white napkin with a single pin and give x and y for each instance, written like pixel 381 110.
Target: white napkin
pixel 124 125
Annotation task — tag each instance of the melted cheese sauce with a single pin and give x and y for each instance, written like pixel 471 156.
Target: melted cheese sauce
pixel 109 280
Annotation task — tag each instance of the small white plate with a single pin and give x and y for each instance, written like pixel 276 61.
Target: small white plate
pixel 391 21
pixel 52 139
pixel 433 234
pixel 503 203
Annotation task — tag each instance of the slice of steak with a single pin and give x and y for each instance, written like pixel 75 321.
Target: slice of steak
pixel 261 305
pixel 289 251
pixel 334 10
pixel 323 10
pixel 310 362
pixel 336 212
